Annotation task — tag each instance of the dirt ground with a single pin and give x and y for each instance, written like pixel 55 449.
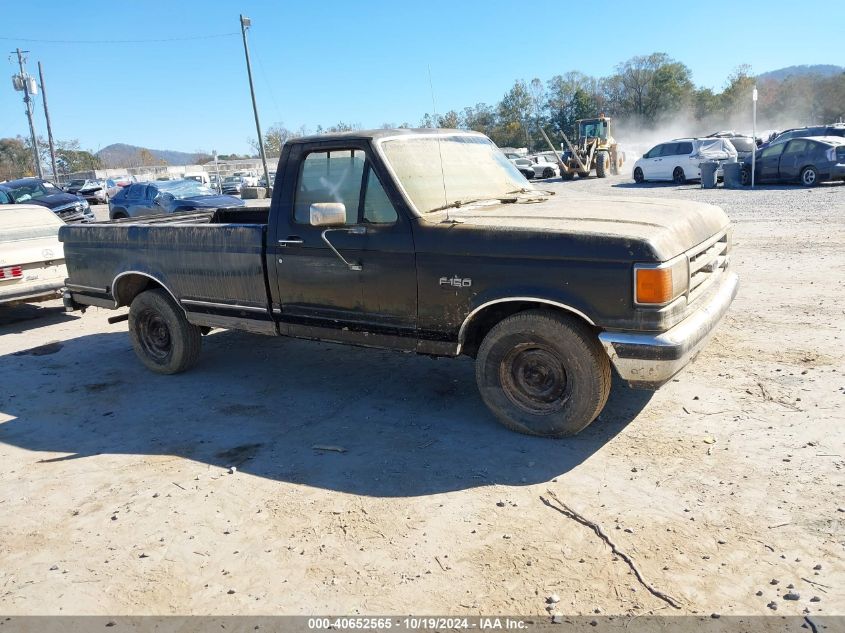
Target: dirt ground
pixel 724 488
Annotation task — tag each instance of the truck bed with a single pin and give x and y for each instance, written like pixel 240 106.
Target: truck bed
pixel 213 262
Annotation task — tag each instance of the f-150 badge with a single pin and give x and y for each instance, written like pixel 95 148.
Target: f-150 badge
pixel 455 282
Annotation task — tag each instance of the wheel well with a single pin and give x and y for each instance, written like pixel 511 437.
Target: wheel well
pixel 130 286
pixel 484 321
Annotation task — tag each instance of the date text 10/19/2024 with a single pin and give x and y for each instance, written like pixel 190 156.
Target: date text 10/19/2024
pixel 416 623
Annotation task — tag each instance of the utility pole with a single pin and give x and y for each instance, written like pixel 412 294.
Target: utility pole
pixel 753 134
pixel 245 24
pixel 25 83
pixel 49 127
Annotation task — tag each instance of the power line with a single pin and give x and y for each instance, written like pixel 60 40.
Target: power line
pixel 169 39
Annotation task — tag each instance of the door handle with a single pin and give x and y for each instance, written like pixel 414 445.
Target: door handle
pixel 291 241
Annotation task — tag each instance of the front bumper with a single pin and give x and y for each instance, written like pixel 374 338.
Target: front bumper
pixel 650 360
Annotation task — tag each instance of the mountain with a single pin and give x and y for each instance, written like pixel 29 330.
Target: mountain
pixel 123 155
pixel 825 70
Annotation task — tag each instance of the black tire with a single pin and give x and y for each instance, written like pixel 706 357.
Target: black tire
pixel 163 339
pixel 543 373
pixel 638 175
pixel 745 177
pixel 809 176
pixel 678 176
pixel 118 214
pixel 567 175
pixel 602 164
pixel 548 172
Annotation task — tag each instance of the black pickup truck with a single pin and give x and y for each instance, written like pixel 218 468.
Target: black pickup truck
pixel 427 241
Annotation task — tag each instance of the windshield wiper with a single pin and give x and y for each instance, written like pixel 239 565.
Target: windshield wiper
pixel 459 203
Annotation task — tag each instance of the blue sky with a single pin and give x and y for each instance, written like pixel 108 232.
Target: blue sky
pixel 364 62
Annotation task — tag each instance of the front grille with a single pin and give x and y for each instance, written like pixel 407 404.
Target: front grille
pixel 706 263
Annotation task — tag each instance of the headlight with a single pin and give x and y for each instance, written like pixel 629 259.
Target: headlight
pixel 659 284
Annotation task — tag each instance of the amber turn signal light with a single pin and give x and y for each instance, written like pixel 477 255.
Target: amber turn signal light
pixel 654 285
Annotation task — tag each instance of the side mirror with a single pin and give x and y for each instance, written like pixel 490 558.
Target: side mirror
pixel 328 214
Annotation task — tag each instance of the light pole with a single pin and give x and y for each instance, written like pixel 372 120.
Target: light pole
pixel 26 84
pixel 753 134
pixel 245 24
pixel 217 170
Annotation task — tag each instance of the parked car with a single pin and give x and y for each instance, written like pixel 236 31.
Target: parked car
pixel 123 180
pixel 679 160
pixel 170 196
pixel 835 129
pixel 523 164
pixel 201 177
pixel 806 160
pixel 545 166
pixel 232 185
pixel 69 207
pixel 363 246
pixel 250 178
pixel 32 261
pixel 744 145
pixel 94 191
pixel 262 182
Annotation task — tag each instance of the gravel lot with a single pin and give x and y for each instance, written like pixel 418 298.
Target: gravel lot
pixel 724 488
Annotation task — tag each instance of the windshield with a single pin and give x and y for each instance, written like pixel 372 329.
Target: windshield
pixel 29 191
pixel 185 188
pixel 437 171
pixel 592 129
pixel 742 144
pixel 232 179
pixel 76 183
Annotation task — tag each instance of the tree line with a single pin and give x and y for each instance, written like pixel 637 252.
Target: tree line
pixel 644 92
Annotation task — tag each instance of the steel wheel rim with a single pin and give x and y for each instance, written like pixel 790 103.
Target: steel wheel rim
pixel 154 335
pixel 534 378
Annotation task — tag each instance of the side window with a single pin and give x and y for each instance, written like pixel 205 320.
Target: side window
pixel 333 176
pixel 136 192
pixel 377 206
pixel 773 151
pixel 654 152
pixel 684 148
pixel 669 149
pixel 4 198
pixel 151 193
pixel 797 146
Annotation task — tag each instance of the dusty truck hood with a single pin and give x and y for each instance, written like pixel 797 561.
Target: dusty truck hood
pixel 666 227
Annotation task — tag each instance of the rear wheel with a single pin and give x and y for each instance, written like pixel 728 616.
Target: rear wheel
pixel 809 177
pixel 678 176
pixel 602 164
pixel 638 175
pixel 543 373
pixel 745 177
pixel 119 214
pixel 163 339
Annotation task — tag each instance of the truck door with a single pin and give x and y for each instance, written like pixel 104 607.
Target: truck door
pixel 378 292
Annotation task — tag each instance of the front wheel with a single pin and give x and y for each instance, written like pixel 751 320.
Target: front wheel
pixel 163 339
pixel 543 373
pixel 638 175
pixel 809 177
pixel 548 172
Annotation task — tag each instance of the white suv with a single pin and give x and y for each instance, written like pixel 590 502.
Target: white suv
pixel 679 160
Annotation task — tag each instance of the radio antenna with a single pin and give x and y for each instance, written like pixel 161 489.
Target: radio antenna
pixel 439 149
